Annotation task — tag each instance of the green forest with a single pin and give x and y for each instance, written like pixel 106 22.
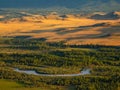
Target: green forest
pixel 58 58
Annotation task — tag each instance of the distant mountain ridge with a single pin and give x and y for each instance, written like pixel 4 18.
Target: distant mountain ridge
pixel 111 15
pixel 83 5
pixel 31 17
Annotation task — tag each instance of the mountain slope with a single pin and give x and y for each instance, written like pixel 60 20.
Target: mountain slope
pixel 83 5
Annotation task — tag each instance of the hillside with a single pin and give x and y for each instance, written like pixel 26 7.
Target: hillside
pixel 69 28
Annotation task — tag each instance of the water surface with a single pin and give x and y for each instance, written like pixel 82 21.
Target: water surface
pixel 33 72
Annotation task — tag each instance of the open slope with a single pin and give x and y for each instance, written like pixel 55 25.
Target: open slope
pixel 71 30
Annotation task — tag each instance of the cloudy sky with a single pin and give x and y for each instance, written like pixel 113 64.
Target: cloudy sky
pixel 39 3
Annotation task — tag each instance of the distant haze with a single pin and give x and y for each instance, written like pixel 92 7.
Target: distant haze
pixel 84 5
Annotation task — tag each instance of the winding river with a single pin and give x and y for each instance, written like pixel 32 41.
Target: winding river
pixel 33 72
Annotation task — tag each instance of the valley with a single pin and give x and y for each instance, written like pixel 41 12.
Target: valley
pixel 59 51
pixel 58 66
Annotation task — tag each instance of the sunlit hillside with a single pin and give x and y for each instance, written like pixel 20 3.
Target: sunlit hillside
pixel 70 29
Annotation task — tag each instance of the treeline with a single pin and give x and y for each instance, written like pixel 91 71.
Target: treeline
pixel 104 62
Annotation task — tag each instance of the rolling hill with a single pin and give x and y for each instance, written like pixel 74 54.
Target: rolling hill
pixel 70 28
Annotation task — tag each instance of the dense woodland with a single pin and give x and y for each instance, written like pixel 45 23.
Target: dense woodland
pixel 58 58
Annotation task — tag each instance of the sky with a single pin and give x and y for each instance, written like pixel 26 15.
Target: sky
pixel 40 3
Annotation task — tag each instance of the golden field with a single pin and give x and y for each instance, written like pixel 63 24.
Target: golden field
pixel 71 30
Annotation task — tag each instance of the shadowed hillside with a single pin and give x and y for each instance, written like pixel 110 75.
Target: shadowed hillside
pixel 111 15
